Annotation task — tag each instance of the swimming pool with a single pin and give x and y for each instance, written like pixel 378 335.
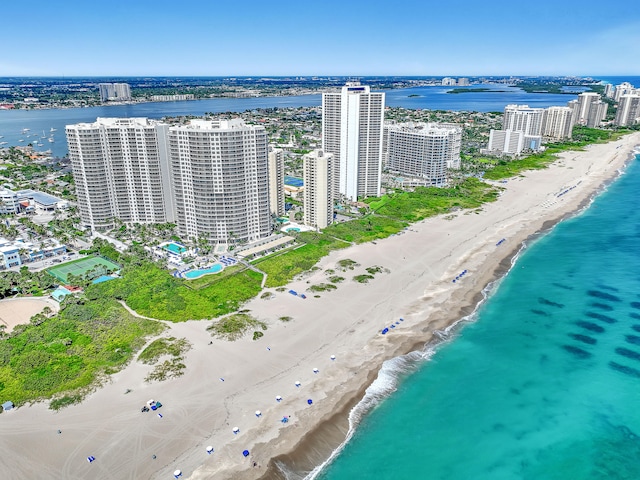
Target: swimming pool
pixel 174 248
pixel 293 229
pixel 191 274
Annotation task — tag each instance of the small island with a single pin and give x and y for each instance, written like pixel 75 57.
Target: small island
pixel 473 90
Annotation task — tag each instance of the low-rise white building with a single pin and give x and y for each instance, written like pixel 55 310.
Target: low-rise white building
pixel 15 253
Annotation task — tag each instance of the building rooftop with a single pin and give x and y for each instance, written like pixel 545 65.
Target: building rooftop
pixel 39 197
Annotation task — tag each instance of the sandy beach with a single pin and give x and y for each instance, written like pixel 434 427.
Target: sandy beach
pixel 16 311
pixel 226 382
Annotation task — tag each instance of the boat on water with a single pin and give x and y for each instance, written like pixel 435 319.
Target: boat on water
pixel 51 139
pixel 53 129
pixel 3 143
pixel 25 130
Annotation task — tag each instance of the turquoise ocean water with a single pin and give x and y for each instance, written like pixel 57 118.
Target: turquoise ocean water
pixel 543 383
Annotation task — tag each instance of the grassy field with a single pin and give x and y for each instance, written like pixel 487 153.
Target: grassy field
pixel 282 267
pixel 426 202
pixel 81 266
pixel 71 351
pixel 154 292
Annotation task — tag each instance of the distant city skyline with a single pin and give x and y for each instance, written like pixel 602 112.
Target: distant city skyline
pixel 282 38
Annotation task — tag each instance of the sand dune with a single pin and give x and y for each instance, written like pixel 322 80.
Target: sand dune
pixel 200 409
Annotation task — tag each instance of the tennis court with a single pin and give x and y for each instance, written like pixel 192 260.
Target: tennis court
pixel 82 266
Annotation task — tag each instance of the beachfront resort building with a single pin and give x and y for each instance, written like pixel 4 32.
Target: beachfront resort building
pixel 352 125
pixel 609 90
pixel 505 142
pixel 318 192
pixel 625 88
pixel 521 130
pixel 628 110
pixel 557 123
pixel 423 150
pixel 588 109
pixel 220 179
pixel 121 171
pixel 276 181
pixel 114 92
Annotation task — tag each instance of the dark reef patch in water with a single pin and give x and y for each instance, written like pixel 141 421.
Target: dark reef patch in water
pixel 624 369
pixel 540 312
pixel 633 339
pixel 635 328
pixel 583 338
pixel 603 295
pixel 578 352
pixel 592 327
pixel 544 301
pixel 625 352
pixel 601 306
pixel 607 287
pixel 635 315
pixel 559 285
pixel 635 304
pixel 601 317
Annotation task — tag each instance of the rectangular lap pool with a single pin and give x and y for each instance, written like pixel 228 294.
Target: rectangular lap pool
pixel 174 248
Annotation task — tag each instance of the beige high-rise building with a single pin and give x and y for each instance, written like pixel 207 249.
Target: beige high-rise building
pixel 114 92
pixel 557 123
pixel 121 171
pixel 597 114
pixel 588 110
pixel 625 88
pixel 506 142
pixel 220 180
pixel 318 192
pixel 522 118
pixel 628 110
pixel 423 150
pixel 276 181
pixel 352 124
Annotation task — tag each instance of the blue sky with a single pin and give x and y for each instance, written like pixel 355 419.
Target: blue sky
pixel 329 37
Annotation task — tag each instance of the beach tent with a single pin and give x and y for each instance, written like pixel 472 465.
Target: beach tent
pixel 7 406
pixel 177 473
pixel 309 401
pixel 236 430
pixel 209 449
pixel 258 413
pixel 245 453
